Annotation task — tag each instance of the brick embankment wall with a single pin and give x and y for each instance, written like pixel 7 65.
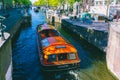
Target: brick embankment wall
pixel 113 51
pixel 97 38
pixel 6 60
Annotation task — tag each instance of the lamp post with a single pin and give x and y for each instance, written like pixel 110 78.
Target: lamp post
pixel 108 3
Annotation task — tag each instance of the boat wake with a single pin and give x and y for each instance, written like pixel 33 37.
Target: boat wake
pixel 69 75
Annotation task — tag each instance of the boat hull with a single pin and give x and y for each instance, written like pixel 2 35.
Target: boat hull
pixel 55 53
pixel 56 68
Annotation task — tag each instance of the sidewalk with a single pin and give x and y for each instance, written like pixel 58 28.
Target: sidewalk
pixel 100 26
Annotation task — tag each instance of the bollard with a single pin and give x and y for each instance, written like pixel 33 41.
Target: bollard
pixel 53 20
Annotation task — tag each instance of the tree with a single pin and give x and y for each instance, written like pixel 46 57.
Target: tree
pixel 40 3
pixel 46 2
pixel 25 2
pixel 35 3
pixel 62 2
pixel 3 3
pixel 71 2
pixel 53 2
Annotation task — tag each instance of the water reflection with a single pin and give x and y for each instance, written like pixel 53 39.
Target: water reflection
pixel 66 75
pixel 26 64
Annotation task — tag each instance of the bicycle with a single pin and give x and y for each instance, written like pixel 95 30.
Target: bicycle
pixel 2 28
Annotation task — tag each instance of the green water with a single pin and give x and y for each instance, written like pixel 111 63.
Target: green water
pixel 93 61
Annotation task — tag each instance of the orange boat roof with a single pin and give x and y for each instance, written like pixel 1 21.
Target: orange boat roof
pixel 56 45
pixel 53 40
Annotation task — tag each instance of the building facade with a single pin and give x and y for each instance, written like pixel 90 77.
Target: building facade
pixel 87 4
pixel 103 6
pixel 106 2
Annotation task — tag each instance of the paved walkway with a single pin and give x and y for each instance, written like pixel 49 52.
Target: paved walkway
pixel 101 26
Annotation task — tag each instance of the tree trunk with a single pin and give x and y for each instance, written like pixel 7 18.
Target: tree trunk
pixel 3 5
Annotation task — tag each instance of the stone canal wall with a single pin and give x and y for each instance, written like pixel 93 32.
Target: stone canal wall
pixel 113 51
pixel 100 38
pixel 16 24
pixel 51 19
pixel 5 58
pixel 93 34
pixel 13 25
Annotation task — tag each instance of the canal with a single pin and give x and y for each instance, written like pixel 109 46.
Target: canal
pixel 26 64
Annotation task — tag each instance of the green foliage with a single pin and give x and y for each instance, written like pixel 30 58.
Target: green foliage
pixel 47 2
pixel 25 2
pixel 55 2
pixel 62 2
pixel 17 1
pixel 71 2
pixel 40 3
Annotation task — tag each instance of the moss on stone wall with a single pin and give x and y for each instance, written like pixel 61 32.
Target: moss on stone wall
pixel 5 58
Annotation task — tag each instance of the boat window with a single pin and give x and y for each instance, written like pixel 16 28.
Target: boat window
pixel 45 42
pixel 44 34
pixel 62 57
pixel 51 58
pixel 71 56
pixel 48 33
pixel 53 33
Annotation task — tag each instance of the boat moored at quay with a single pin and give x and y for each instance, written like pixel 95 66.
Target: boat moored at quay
pixel 56 54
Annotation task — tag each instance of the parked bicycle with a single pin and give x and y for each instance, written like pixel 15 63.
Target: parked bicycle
pixel 2 28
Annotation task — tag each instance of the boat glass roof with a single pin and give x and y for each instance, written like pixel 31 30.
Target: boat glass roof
pixel 45 42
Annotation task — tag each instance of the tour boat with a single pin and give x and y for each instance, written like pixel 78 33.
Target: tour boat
pixel 55 52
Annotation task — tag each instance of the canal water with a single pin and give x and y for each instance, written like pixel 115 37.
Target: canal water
pixel 26 64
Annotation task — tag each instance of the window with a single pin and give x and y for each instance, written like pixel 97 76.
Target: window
pixel 52 58
pixel 45 42
pixel 71 56
pixel 62 57
pixel 52 33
